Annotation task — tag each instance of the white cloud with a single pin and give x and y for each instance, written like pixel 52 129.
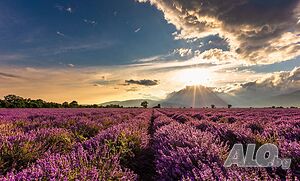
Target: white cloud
pixel 64 8
pixel 273 84
pixel 137 30
pixel 91 22
pixel 257 32
pixel 149 59
pixel 69 9
pixel 60 34
pixel 183 52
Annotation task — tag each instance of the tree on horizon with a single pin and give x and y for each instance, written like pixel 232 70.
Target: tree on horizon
pixel 144 104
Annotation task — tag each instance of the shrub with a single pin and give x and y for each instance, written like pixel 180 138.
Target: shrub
pixel 17 155
pixel 126 146
pixel 255 128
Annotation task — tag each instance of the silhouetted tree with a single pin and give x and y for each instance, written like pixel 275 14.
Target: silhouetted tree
pixel 40 103
pixel 4 104
pixel 158 106
pixel 112 106
pixel 213 106
pixel 65 105
pixel 14 101
pixel 144 104
pixel 95 106
pixel 73 104
pixel 229 106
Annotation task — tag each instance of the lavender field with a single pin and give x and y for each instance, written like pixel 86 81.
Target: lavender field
pixel 142 144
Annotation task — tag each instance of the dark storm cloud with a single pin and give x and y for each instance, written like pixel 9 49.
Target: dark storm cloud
pixel 144 82
pixel 260 31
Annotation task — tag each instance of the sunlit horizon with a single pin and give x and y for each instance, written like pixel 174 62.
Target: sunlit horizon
pixel 113 50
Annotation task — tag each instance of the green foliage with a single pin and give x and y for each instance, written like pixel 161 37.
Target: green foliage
pixel 13 101
pixel 112 106
pixel 17 156
pixel 59 143
pixel 229 120
pixel 272 138
pixel 256 128
pixel 125 145
pixel 86 131
pixel 65 105
pixel 74 104
pixel 107 122
pixel 20 124
pixel 81 130
pixel 144 104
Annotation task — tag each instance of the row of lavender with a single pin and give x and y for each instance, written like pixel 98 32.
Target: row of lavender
pixel 71 144
pixel 136 144
pixel 193 144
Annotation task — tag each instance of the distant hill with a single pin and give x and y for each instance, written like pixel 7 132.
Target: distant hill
pixel 285 100
pixel 200 96
pixel 193 96
pixel 132 103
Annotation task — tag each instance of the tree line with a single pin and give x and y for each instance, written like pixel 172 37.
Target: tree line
pixel 14 101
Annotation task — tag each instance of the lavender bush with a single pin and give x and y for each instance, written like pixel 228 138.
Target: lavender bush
pixel 142 144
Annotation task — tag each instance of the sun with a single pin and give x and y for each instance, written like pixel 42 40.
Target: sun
pixel 194 76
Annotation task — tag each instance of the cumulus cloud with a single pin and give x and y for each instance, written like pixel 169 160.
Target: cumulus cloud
pixel 217 55
pixel 257 31
pixel 144 82
pixel 275 84
pixel 71 65
pixel 183 52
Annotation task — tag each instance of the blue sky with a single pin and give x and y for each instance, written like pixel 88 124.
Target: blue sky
pixel 107 32
pixel 95 51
